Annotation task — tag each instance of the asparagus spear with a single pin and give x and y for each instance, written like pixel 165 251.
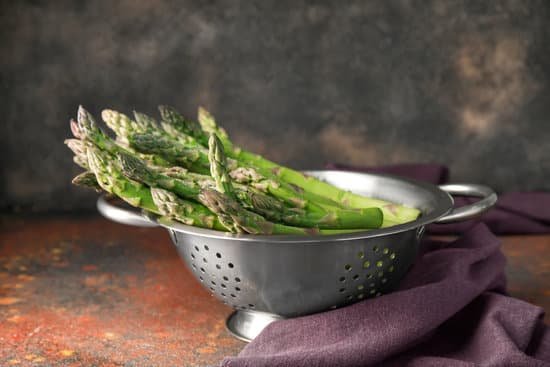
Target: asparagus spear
pixel 170 150
pixel 79 149
pixel 87 179
pixel 111 180
pixel 218 167
pixel 183 211
pixel 175 124
pixel 246 221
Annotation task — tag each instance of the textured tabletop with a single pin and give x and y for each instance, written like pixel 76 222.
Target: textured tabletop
pixel 89 292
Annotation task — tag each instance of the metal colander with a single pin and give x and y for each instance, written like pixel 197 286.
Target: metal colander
pixel 269 277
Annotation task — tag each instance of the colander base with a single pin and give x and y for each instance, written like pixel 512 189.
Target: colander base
pixel 246 325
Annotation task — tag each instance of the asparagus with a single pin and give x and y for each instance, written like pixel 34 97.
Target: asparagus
pixel 183 211
pixel 312 216
pixel 87 130
pixel 189 153
pixel 245 221
pixel 229 212
pixel 245 193
pixel 245 173
pixel 111 180
pixel 218 167
pixel 186 187
pixel 393 213
pixel 170 150
pixel 87 179
pixel 193 158
pixel 175 124
pixel 79 149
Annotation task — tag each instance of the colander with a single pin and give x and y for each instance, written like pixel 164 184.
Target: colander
pixel 266 278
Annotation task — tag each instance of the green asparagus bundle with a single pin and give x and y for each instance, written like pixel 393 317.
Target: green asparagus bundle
pixel 179 169
pixel 393 213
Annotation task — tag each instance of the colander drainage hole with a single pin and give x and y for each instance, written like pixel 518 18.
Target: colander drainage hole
pixel 202 270
pixel 204 260
pixel 218 266
pixel 342 279
pixel 375 249
pixel 386 251
pixel 213 282
pixel 237 289
pixel 201 279
pixel 361 254
pixel 342 290
pixel 349 298
pixel 237 279
pixel 192 256
pixel 206 248
pixel 196 248
pixel 211 288
pixel 232 295
pixel 356 276
pixel 360 286
pixel 223 294
pixel 230 265
pixel 390 268
pixel 218 255
pixel 223 285
pixel 347 267
pixel 251 305
pixel 225 278
pixel 360 295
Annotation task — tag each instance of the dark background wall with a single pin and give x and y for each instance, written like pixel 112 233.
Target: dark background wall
pixel 466 83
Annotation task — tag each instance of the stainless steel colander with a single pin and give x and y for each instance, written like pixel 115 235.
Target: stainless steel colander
pixel 270 277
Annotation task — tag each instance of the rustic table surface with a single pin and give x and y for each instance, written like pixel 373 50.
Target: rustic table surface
pixel 89 292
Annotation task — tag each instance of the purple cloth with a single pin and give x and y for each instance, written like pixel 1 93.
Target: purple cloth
pixel 450 310
pixel 515 212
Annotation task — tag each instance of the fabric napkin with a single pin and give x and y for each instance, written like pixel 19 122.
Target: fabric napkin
pixel 450 310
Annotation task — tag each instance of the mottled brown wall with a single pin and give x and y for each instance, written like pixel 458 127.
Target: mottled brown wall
pixel 465 83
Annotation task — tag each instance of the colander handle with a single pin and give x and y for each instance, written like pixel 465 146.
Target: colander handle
pixel 116 213
pixel 489 198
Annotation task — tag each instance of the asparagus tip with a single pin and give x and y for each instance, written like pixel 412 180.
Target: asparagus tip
pixel 77 146
pixel 75 130
pixel 134 168
pixel 107 114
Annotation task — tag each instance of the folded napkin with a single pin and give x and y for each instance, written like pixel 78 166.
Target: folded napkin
pixel 450 310
pixel 514 213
